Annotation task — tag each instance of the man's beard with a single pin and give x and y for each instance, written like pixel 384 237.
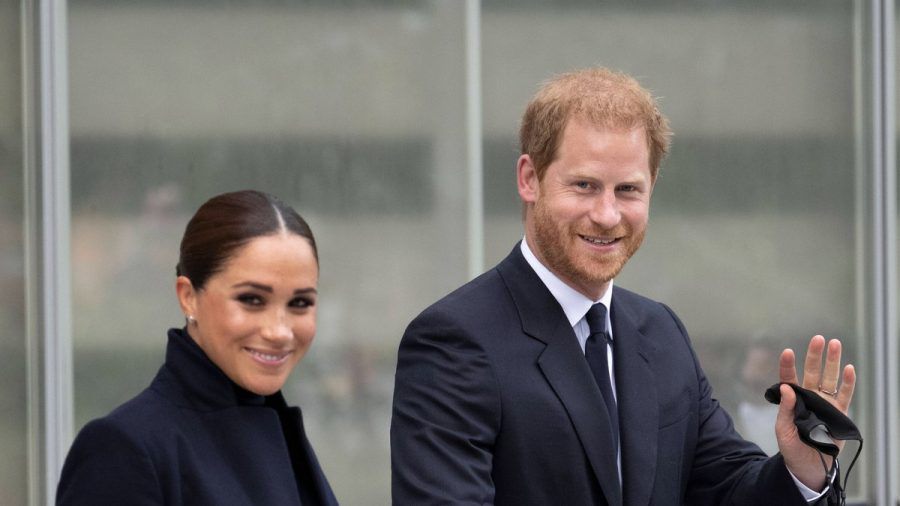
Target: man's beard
pixel 558 246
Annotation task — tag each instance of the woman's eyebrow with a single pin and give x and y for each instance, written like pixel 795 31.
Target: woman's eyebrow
pixel 269 289
pixel 251 284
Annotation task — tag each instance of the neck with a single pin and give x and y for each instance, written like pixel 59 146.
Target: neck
pixel 592 292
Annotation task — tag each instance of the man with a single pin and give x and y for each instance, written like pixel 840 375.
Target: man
pixel 538 383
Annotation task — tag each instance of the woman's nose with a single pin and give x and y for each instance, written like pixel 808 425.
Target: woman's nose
pixel 276 327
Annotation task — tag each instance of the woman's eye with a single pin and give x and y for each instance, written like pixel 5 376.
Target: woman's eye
pixel 250 300
pixel 301 302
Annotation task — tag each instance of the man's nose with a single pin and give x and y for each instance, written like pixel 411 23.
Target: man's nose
pixel 605 210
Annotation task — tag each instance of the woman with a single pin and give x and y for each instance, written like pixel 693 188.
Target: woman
pixel 213 427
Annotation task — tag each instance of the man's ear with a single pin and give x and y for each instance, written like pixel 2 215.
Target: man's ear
pixel 527 180
pixel 187 296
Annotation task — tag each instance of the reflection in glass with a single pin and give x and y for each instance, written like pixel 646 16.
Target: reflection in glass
pixel 353 114
pixel 13 361
pixel 350 113
pixel 751 237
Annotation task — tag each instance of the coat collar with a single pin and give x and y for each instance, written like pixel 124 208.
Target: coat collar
pixel 192 381
pixel 198 383
pixel 563 365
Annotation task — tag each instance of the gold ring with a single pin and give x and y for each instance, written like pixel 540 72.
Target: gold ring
pixel 826 392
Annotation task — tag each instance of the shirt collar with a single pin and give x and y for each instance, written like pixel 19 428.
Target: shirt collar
pixel 574 304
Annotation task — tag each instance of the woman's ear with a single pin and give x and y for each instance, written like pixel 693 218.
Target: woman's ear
pixel 187 296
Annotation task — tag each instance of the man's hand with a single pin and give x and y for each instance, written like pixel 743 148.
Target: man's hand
pixel 832 385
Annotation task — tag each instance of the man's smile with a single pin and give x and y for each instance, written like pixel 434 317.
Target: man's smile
pixel 599 241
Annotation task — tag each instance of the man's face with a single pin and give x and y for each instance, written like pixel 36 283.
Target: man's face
pixel 589 213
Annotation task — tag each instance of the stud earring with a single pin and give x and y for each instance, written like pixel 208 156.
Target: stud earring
pixel 191 320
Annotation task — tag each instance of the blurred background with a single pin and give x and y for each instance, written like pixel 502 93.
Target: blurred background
pixel 355 113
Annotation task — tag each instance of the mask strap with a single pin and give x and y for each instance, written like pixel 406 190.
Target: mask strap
pixel 812 411
pixel 841 489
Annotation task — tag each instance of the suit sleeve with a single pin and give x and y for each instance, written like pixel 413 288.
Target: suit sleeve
pixel 446 416
pixel 106 466
pixel 726 468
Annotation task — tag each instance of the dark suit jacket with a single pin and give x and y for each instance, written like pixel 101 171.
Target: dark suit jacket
pixel 495 404
pixel 193 438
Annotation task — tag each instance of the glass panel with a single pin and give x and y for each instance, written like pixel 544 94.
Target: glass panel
pixel 753 236
pixel 351 113
pixel 13 358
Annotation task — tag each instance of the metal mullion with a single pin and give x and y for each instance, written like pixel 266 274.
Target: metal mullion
pixel 49 240
pixel 884 273
pixel 888 194
pixel 474 139
pixel 32 232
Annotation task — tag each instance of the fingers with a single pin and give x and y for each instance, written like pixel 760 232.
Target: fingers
pixel 832 373
pixel 832 383
pixel 787 369
pixel 848 384
pixel 812 366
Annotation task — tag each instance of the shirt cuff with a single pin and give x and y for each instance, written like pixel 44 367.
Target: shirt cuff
pixel 809 494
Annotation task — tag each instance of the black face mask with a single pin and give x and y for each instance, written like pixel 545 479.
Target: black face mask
pixel 818 423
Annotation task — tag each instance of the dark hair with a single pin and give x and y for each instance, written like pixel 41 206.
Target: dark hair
pixel 228 221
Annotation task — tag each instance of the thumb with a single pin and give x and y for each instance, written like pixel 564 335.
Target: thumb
pixel 784 422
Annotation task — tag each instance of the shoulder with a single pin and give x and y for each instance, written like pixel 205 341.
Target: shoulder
pixel 112 458
pixel 481 304
pixel 644 312
pixel 141 425
pixel 479 293
pixel 636 302
pixel 133 423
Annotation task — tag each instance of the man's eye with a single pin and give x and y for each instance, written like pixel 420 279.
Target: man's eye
pixel 627 188
pixel 250 300
pixel 584 185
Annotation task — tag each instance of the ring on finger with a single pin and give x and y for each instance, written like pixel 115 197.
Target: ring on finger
pixel 832 393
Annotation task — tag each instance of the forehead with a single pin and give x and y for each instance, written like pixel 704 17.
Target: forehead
pixel 273 257
pixel 584 139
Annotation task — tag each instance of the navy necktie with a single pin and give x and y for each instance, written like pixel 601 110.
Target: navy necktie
pixel 595 353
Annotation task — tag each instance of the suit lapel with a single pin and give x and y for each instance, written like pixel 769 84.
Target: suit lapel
pixel 563 365
pixel 637 402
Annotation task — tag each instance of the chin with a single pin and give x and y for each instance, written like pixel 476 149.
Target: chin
pixel 263 388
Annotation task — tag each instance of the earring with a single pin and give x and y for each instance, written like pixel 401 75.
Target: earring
pixel 191 320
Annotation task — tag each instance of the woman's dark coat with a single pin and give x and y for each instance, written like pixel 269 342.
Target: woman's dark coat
pixel 193 438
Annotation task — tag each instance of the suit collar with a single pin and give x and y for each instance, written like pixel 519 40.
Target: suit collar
pixel 563 365
pixel 539 312
pixel 637 401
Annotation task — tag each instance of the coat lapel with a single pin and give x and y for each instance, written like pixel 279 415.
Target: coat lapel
pixel 563 365
pixel 637 402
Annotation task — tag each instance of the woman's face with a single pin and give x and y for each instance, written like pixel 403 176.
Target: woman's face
pixel 256 317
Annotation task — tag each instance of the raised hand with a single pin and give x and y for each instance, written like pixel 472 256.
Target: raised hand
pixel 832 383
